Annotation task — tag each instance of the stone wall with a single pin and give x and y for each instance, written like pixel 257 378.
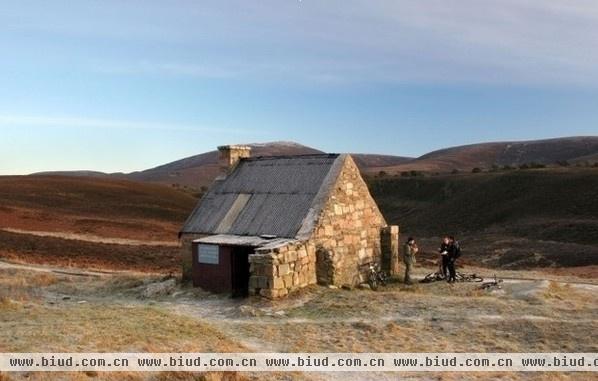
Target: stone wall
pixel 346 238
pixel 276 271
pixel 349 228
pixel 391 262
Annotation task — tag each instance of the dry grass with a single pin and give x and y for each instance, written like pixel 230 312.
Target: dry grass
pixel 420 318
pixel 21 286
pixel 105 327
pixel 127 376
pixel 433 317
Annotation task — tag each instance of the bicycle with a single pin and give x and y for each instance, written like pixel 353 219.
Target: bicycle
pixel 459 277
pixel 496 283
pixel 376 277
pixel 433 277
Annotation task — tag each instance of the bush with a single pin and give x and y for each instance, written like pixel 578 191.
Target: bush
pixel 476 170
pixel 455 171
pixel 382 173
pixel 410 174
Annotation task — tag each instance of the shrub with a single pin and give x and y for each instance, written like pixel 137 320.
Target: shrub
pixel 476 170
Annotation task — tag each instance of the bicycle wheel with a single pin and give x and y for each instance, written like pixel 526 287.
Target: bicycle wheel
pixel 373 284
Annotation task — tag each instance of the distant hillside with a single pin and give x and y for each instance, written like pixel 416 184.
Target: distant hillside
pixel 367 162
pixel 485 155
pixel 73 173
pixel 198 171
pixel 522 218
pixel 91 205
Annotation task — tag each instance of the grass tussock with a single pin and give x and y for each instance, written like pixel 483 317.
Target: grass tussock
pixel 558 291
pixel 21 286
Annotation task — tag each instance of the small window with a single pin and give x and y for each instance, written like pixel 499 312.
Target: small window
pixel 207 254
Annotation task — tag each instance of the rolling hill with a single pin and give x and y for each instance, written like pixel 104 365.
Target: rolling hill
pixel 485 155
pixel 91 205
pixel 198 171
pixel 91 222
pixel 524 218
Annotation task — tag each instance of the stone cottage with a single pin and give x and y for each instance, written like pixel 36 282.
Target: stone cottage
pixel 271 225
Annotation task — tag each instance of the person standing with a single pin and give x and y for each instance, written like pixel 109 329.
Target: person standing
pixel 409 252
pixel 453 253
pixel 445 247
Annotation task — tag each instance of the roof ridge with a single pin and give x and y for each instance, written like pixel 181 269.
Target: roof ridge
pixel 305 156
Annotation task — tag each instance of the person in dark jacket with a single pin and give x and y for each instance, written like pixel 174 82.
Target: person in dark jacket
pixel 445 247
pixel 454 251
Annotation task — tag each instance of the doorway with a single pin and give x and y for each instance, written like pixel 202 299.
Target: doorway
pixel 240 270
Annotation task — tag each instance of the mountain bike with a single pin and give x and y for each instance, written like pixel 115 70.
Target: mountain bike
pixel 459 277
pixel 433 277
pixel 496 283
pixel 376 277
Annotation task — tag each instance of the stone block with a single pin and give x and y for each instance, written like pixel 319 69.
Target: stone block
pixel 283 269
pixel 260 282
pixel 288 280
pixel 277 283
pixel 328 230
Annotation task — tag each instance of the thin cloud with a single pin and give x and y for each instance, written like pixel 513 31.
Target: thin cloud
pixel 331 42
pixel 81 122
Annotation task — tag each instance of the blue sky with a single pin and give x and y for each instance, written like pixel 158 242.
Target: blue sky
pixel 128 85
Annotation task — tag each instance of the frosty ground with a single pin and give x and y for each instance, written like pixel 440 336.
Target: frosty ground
pixel 68 310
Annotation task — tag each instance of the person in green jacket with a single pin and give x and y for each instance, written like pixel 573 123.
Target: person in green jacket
pixel 409 252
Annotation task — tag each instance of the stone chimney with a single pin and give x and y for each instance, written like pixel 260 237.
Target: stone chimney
pixel 229 156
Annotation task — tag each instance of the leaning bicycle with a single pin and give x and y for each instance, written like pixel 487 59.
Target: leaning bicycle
pixel 376 277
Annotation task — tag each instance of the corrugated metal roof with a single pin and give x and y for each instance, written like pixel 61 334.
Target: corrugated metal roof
pixel 278 191
pixel 235 240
